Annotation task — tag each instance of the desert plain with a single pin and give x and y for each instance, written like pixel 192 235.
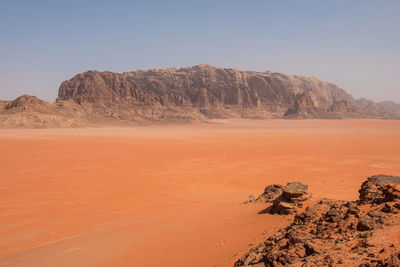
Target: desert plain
pixel 172 195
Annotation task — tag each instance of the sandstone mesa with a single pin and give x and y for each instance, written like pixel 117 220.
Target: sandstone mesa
pixel 197 93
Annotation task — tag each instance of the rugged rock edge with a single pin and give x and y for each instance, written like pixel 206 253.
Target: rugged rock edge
pixel 186 95
pixel 335 232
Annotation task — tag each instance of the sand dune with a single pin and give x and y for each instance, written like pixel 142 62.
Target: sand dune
pixel 171 195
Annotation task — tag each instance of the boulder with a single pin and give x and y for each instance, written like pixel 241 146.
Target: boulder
pixel 249 199
pixel 391 192
pixel 293 194
pixel 380 188
pixel 366 224
pixel 294 190
pixel 271 193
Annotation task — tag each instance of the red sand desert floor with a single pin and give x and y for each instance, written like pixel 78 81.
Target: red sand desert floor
pixel 173 195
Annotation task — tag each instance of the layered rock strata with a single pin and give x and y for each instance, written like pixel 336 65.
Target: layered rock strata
pixel 217 92
pixel 185 95
pixel 292 198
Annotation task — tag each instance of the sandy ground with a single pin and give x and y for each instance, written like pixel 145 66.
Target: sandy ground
pixel 171 196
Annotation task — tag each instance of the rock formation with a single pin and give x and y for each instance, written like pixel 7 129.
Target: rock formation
pixel 391 106
pixel 335 232
pixel 378 189
pixel 198 93
pixel 26 102
pixel 370 108
pixel 207 89
pixel 271 192
pixel 30 112
pixel 249 199
pixel 292 197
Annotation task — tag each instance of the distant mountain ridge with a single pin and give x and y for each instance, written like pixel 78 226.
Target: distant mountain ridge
pixel 392 106
pixel 196 93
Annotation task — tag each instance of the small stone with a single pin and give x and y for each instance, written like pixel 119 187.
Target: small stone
pixel 249 199
pixel 365 234
pixel 353 209
pixel 390 207
pixel 338 247
pixel 366 224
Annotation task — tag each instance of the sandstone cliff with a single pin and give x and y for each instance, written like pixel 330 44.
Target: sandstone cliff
pixel 210 90
pixel 197 93
pixel 218 92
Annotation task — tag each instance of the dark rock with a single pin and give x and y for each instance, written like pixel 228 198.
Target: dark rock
pixel 333 215
pixel 353 209
pixel 271 193
pixel 331 232
pixel 293 194
pixel 391 207
pixel 392 261
pixel 294 190
pixel 281 206
pixel 392 192
pixel 366 224
pixel 379 188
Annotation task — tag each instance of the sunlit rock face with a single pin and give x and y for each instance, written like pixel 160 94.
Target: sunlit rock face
pixel 231 92
pixel 186 95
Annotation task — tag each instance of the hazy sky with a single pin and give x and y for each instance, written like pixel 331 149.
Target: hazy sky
pixel 353 43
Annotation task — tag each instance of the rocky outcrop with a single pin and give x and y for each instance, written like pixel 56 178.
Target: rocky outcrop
pixel 186 95
pixel 292 198
pixel 27 102
pixel 369 108
pixel 200 86
pixel 271 192
pixel 378 189
pixel 31 112
pixel 210 90
pixel 334 232
pixel 391 106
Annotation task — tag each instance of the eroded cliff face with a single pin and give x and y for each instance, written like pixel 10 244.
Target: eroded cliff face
pixel 265 94
pixel 197 93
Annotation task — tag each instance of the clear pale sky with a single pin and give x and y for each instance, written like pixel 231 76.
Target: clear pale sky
pixel 353 43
